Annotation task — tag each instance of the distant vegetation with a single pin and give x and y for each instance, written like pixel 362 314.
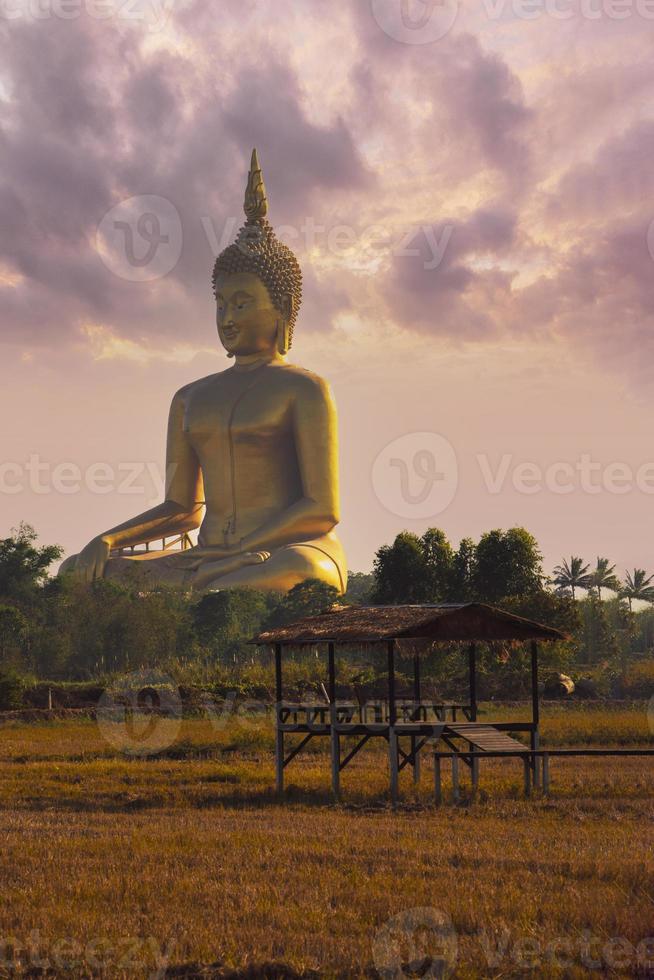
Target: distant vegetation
pixel 60 631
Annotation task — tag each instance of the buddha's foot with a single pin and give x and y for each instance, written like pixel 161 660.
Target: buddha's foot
pixel 208 571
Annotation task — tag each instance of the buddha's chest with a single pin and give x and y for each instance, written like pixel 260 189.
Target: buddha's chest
pixel 241 412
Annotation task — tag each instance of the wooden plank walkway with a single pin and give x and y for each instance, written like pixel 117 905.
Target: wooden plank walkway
pixel 485 738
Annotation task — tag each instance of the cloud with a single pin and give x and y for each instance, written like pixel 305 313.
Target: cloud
pixel 540 169
pixel 73 147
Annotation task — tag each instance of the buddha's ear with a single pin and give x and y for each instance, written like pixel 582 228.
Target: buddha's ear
pixel 283 331
pixel 286 306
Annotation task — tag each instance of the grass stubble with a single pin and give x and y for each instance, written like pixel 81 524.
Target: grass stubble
pixel 185 861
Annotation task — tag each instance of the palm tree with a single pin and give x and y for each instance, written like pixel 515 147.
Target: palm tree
pixel 637 586
pixel 572 575
pixel 604 577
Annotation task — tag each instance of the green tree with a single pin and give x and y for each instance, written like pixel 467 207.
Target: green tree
pixel 360 586
pixel 228 617
pixel 572 575
pixel 508 563
pixel 23 566
pixel 637 587
pixel 308 598
pixel 401 572
pixel 14 629
pixel 439 558
pixel 604 577
pixel 597 640
pixel 462 572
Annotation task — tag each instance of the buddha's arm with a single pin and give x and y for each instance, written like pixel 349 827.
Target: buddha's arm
pixel 316 441
pixel 182 509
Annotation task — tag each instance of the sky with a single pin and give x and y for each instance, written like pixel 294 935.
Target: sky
pixel 468 187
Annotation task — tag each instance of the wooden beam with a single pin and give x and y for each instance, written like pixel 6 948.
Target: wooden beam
pixel 438 785
pixel 335 740
pixel 472 676
pixel 546 774
pixel 392 721
pixel 279 734
pixel 455 777
pixel 535 711
pixel 417 717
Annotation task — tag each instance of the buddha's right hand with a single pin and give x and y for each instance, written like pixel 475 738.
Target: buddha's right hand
pixel 92 560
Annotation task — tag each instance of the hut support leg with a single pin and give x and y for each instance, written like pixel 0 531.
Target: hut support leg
pixel 455 777
pixel 415 754
pixel 438 785
pixel 279 735
pixel 336 760
pixel 417 696
pixel 475 774
pixel 527 766
pixel 394 764
pixel 546 774
pixel 535 743
pixel 335 739
pixel 279 759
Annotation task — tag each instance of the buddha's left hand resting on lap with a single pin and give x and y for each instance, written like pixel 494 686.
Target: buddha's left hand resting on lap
pixel 256 445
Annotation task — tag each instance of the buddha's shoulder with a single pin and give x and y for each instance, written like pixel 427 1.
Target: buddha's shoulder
pixel 187 391
pixel 302 381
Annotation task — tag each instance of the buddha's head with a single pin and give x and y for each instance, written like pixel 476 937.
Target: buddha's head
pixel 257 282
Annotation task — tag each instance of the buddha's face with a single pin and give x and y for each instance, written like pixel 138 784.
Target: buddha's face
pixel 247 320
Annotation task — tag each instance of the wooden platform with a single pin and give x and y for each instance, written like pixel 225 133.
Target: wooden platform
pixel 485 738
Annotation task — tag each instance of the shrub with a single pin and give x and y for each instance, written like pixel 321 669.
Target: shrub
pixel 638 680
pixel 12 687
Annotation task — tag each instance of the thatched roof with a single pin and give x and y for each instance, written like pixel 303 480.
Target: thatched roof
pixel 438 623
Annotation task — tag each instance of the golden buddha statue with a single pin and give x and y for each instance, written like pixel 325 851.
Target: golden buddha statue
pixel 254 447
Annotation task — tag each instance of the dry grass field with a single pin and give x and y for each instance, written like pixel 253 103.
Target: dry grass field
pixel 185 864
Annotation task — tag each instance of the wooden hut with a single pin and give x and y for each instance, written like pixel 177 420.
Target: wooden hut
pixel 407 725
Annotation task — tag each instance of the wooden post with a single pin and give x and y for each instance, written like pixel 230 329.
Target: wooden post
pixel 527 766
pixel 335 740
pixel 438 785
pixel 392 721
pixel 455 777
pixel 279 735
pixel 472 673
pixel 535 710
pixel 417 717
pixel 474 771
pixel 546 774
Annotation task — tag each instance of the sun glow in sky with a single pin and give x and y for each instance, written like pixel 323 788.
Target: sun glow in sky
pixel 473 215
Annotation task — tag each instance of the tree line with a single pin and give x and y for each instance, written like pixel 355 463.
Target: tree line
pixel 56 628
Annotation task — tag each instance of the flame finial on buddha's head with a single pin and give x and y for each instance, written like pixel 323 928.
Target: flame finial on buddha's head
pixel 257 250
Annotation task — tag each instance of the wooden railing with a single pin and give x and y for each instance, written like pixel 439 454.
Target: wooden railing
pixel 312 715
pixel 179 542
